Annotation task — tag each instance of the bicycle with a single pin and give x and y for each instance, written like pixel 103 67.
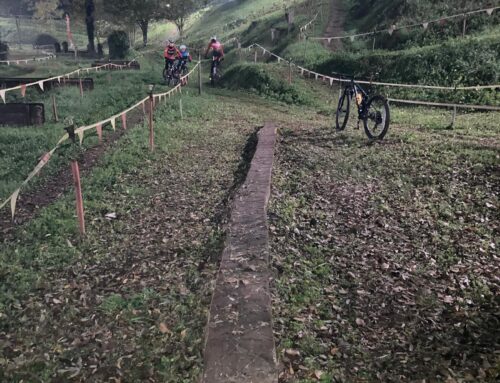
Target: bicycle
pixel 181 70
pixel 215 71
pixel 373 111
pixel 169 75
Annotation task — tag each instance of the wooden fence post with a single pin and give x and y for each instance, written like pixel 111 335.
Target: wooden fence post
pixel 199 75
pixel 54 109
pixel 290 72
pixel 81 88
pixel 453 117
pixel 255 56
pixel 75 169
pixel 151 127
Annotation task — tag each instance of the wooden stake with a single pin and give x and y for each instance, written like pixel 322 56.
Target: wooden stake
pixel 180 108
pixel 290 72
pixel 75 169
pixel 54 109
pixel 81 88
pixel 454 117
pixel 255 56
pixel 465 26
pixel 199 75
pixel 151 128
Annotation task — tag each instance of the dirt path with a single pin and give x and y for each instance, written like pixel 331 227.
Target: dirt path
pixel 335 25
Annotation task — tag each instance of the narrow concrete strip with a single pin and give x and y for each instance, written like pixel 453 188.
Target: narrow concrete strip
pixel 239 341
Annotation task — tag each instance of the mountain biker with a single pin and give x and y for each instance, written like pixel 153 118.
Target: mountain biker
pixel 184 58
pixel 217 52
pixel 171 54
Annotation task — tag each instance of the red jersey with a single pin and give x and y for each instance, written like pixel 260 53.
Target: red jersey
pixel 171 53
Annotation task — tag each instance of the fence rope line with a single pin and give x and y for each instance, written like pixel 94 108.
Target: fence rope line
pixel 388 84
pixel 81 130
pixel 393 28
pixel 17 62
pixel 304 27
pixel 445 105
pixel 23 87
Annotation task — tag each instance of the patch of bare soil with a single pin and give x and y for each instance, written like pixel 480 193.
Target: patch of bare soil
pixel 335 25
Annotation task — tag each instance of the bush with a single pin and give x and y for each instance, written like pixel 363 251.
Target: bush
pixel 256 78
pixel 45 39
pixel 4 50
pixel 465 62
pixel 118 45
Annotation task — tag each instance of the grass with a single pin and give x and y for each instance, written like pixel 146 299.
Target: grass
pixel 233 18
pixel 384 254
pixel 21 147
pixel 145 276
pixel 371 245
pixel 31 28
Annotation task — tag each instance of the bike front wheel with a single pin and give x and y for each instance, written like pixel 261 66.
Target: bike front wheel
pixel 376 118
pixel 343 110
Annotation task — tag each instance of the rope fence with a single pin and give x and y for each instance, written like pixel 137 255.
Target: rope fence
pixel 23 87
pixel 80 132
pixel 332 79
pixel 394 28
pixel 26 61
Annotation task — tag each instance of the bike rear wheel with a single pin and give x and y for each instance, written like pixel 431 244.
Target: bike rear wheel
pixel 343 109
pixel 165 75
pixel 376 118
pixel 213 75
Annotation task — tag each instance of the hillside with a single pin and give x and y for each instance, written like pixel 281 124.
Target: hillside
pixel 323 254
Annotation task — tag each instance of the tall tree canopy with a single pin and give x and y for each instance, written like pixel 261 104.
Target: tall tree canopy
pixel 142 12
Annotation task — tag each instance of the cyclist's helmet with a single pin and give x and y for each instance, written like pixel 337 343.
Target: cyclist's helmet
pixel 214 39
pixel 182 48
pixel 170 43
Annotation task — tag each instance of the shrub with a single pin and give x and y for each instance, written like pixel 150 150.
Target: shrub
pixel 4 50
pixel 45 39
pixel 256 78
pixel 118 45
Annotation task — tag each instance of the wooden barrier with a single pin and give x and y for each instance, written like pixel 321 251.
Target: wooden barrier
pixel 7 82
pixel 21 114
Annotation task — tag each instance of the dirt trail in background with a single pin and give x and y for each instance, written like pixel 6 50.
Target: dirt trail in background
pixel 335 25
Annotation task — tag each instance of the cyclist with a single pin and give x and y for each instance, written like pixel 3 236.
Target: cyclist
pixel 217 52
pixel 171 54
pixel 184 58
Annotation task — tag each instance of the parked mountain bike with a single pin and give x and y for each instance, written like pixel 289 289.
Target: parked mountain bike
pixel 373 111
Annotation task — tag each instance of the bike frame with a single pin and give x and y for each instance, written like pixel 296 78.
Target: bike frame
pixel 352 90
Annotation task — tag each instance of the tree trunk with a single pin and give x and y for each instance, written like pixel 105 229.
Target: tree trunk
pixel 144 28
pixel 89 21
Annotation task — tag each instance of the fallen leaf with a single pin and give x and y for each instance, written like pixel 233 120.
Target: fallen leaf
pixel 291 352
pixel 164 329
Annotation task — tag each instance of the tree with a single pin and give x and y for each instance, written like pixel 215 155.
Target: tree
pixel 45 9
pixel 179 12
pixel 142 12
pixel 90 23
